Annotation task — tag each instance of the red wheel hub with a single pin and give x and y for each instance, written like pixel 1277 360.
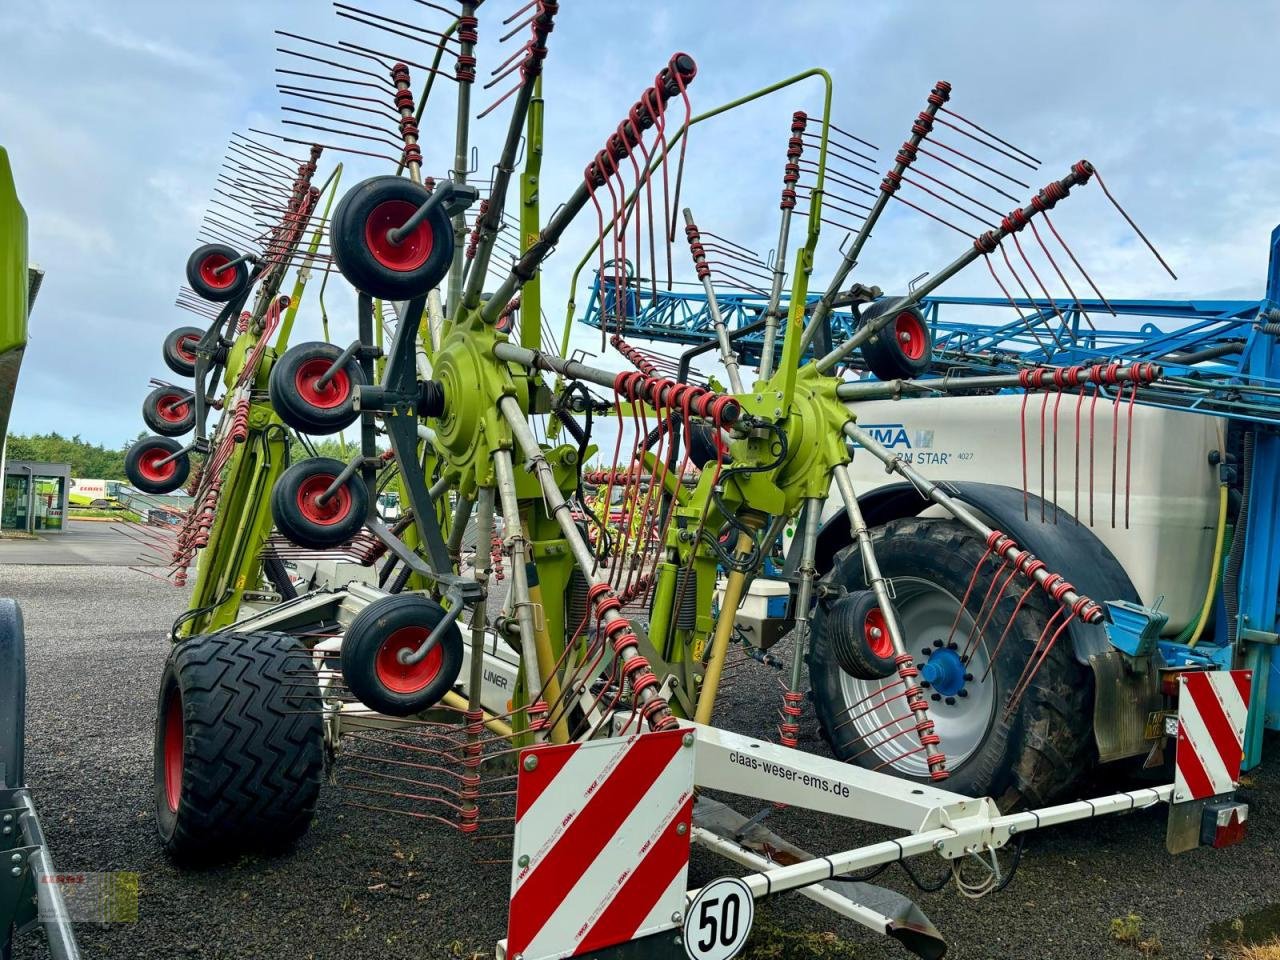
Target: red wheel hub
pixel 151 467
pixel 173 750
pixel 172 407
pixel 410 253
pixel 186 347
pixel 210 274
pixel 911 335
pixel 403 677
pixel 876 631
pixel 333 510
pixel 333 394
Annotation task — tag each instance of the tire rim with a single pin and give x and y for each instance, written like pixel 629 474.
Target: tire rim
pixel 925 612
pixel 412 251
pixel 173 407
pixel 876 631
pixel 208 271
pixel 404 677
pixel 173 751
pixel 151 467
pixel 325 514
pixel 186 346
pixel 333 394
pixel 909 330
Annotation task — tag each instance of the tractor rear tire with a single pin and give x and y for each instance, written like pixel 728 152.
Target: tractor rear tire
pixel 1029 758
pixel 180 350
pixel 239 746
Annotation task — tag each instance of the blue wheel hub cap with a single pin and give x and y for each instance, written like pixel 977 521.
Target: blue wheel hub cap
pixel 945 672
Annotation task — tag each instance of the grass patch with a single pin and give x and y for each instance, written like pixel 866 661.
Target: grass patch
pixel 1258 951
pixel 1128 930
pixel 769 941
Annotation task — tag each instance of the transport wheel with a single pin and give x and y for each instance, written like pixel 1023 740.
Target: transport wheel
pixel 1039 752
pixel 300 516
pixel 170 411
pixel 901 350
pixel 144 465
pixel 301 402
pixel 365 254
pixel 180 350
pixel 859 637
pixel 207 278
pixel 370 655
pixel 239 746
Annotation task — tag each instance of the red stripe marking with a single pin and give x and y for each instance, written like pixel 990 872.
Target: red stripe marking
pixel 1243 683
pixel 531 783
pixel 665 859
pixel 594 827
pixel 1221 730
pixel 1192 770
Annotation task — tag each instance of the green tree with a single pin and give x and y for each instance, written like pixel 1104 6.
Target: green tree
pixel 86 459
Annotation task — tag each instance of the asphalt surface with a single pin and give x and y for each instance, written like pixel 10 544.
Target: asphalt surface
pixel 367 884
pixel 87 542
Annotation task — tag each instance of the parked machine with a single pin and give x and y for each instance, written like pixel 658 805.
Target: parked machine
pixel 29 895
pixel 970 645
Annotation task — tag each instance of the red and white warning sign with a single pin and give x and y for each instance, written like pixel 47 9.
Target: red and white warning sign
pixel 601 848
pixel 1212 711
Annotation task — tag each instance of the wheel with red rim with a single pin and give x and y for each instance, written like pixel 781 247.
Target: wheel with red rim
pixel 214 274
pixel 370 260
pixel 299 398
pixel 858 635
pixel 180 350
pixel 148 467
pixel 382 634
pixel 903 348
pixel 170 411
pixel 306 517
pixel 239 746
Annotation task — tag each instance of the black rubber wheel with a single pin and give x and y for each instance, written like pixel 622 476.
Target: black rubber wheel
pixel 301 403
pixel 902 349
pixel 372 644
pixel 277 575
pixel 306 522
pixel 143 467
pixel 170 411
pixel 366 256
pixel 239 746
pixel 180 350
pixel 203 278
pixel 859 637
pixel 1031 757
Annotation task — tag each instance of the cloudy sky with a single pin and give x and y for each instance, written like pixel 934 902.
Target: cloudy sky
pixel 116 117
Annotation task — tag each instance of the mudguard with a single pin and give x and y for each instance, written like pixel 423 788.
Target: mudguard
pixel 1066 547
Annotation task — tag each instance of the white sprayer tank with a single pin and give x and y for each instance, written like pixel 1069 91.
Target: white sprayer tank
pixel 1167 548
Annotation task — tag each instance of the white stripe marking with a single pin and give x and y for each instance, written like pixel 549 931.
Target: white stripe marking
pixel 594 890
pixel 1201 742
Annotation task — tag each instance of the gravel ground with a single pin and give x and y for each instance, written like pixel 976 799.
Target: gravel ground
pixel 364 884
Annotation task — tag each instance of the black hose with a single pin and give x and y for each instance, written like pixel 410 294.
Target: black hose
pixel 1235 557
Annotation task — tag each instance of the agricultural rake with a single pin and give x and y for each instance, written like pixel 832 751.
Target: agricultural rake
pixel 577 720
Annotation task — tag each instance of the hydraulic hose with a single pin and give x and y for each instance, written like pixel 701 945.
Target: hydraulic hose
pixel 1197 629
pixel 1231 576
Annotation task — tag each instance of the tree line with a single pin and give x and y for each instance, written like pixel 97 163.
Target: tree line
pixel 95 461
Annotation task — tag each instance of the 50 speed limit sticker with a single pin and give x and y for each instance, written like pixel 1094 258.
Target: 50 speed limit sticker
pixel 718 921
